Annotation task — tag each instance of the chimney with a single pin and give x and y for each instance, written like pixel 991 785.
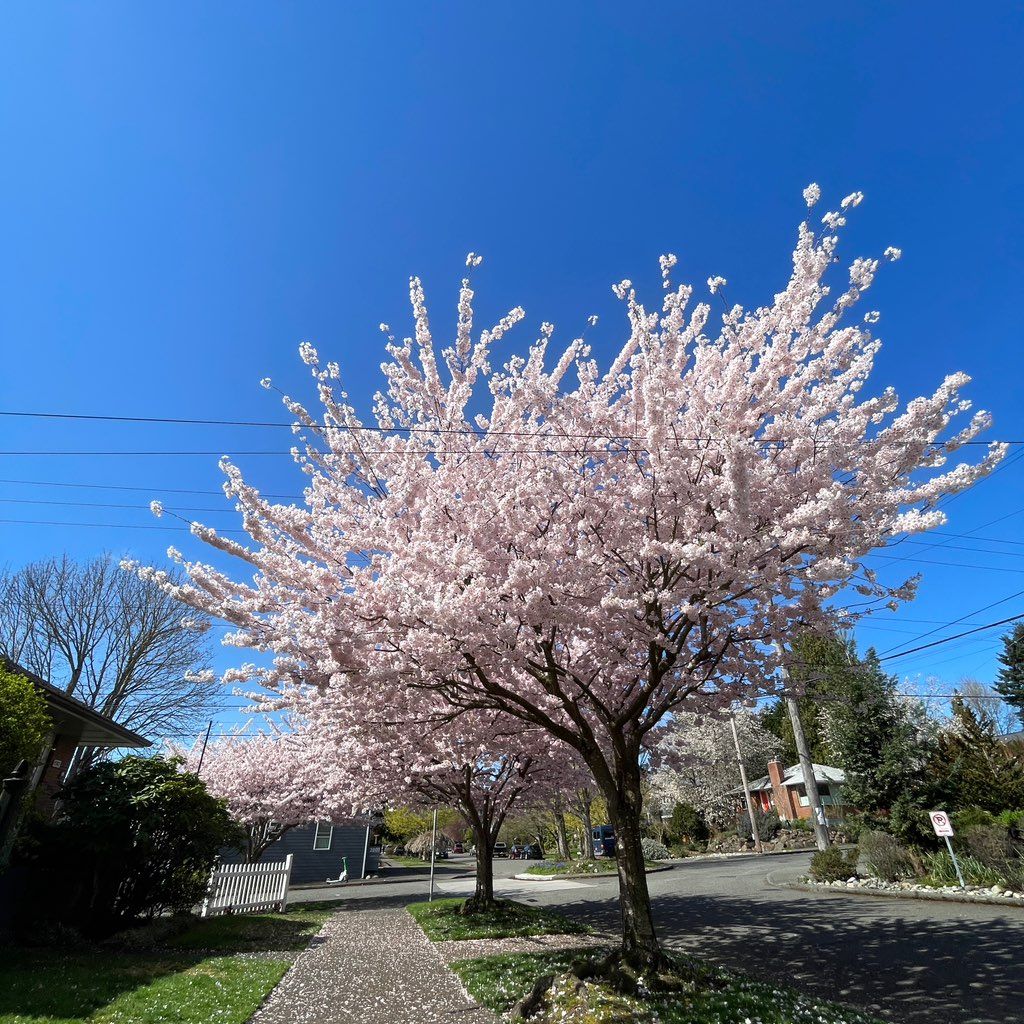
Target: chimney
pixel 780 794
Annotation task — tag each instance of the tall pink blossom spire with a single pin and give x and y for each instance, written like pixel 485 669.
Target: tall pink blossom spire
pixel 589 547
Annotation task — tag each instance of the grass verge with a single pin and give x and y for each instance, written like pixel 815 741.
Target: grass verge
pixel 203 973
pixel 244 933
pixel 499 982
pixel 579 867
pixel 442 921
pixel 97 987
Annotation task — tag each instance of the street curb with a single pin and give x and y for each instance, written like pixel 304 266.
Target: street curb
pixel 603 874
pixel 906 894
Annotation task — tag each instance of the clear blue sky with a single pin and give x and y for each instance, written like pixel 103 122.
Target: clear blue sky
pixel 190 190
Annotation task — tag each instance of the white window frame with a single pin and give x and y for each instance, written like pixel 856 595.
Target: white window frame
pixel 318 836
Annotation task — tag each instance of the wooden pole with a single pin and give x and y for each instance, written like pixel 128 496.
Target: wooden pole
pixel 807 770
pixel 746 788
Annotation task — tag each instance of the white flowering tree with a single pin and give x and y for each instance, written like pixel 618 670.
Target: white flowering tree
pixel 697 763
pixel 591 548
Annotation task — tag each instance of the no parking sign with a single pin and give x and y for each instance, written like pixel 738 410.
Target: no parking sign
pixel 944 827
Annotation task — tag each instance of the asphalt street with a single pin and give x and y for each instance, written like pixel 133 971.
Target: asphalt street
pixel 908 960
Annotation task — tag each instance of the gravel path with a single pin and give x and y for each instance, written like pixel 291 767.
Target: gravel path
pixel 371 965
pixel 469 949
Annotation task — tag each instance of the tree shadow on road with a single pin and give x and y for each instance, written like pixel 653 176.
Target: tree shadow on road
pixel 954 971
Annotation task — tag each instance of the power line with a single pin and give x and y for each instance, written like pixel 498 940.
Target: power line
pixel 156 489
pixel 957 622
pixel 105 526
pixel 948 639
pixel 104 504
pixel 464 431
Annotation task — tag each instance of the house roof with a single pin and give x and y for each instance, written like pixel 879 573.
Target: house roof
pixel 72 718
pixel 794 776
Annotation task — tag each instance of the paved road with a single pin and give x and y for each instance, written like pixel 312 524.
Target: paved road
pixel 909 960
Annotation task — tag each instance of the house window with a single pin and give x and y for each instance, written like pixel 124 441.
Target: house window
pixel 322 836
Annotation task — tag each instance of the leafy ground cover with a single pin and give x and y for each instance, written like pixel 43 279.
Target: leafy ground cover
pixel 205 973
pixel 578 867
pixel 408 861
pixel 442 921
pixel 499 982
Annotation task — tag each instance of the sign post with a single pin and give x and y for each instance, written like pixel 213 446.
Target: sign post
pixel 944 829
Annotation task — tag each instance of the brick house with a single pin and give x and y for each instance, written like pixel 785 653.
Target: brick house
pixel 74 725
pixel 783 790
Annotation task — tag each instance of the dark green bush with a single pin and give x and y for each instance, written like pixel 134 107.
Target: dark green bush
pixel 833 865
pixel 768 825
pixel 688 825
pixel 1013 822
pixel 883 857
pixel 853 828
pixel 135 838
pixel 970 817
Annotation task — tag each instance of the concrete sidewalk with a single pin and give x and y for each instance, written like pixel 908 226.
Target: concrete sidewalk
pixel 371 965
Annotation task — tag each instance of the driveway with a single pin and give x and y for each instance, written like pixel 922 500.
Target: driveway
pixel 908 960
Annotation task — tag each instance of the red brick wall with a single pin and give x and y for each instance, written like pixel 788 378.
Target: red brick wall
pixel 53 774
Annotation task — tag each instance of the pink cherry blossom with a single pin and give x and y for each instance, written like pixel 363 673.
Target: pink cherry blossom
pixel 590 548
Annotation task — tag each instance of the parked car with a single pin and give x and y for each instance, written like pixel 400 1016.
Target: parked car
pixel 533 852
pixel 458 848
pixel 604 841
pixel 501 849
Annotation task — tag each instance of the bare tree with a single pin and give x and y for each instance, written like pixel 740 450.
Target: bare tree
pixel 988 706
pixel 112 641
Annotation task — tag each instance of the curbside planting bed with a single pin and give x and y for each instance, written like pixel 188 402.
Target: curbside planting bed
pixel 707 995
pixel 997 894
pixel 580 869
pixel 527 963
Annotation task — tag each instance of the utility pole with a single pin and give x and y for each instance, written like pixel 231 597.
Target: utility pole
pixel 433 850
pixel 806 768
pixel 746 788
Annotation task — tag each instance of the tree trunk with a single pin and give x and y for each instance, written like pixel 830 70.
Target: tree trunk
pixel 561 840
pixel 640 946
pixel 585 800
pixel 483 894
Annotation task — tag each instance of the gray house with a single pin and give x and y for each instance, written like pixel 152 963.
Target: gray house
pixel 320 851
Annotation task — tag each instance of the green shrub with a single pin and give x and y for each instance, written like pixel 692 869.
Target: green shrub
pixel 853 828
pixel 993 846
pixel 135 838
pixel 653 850
pixel 768 825
pixel 971 817
pixel 833 865
pixel 884 858
pixel 24 720
pixel 689 825
pixel 941 871
pixel 1013 822
pixel 796 825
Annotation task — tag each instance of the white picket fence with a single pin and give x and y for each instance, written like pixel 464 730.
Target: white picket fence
pixel 241 888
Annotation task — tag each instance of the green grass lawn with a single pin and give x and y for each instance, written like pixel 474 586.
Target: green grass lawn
pixel 499 982
pixel 442 922
pixel 242 933
pixel 579 867
pixel 191 979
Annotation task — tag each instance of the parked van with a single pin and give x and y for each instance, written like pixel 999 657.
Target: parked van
pixel 604 841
